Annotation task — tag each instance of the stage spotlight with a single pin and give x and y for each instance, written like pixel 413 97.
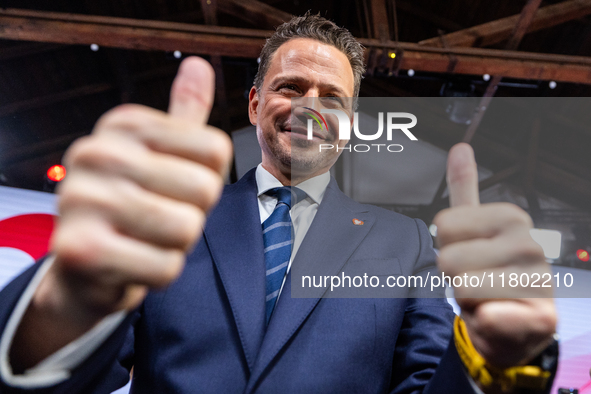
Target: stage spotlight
pixel 52 177
pixel 583 255
pixel 56 173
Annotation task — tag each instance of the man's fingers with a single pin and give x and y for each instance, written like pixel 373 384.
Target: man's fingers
pixel 493 253
pixel 535 316
pixel 192 92
pixel 166 175
pixel 132 210
pixel 113 260
pixel 462 176
pixel 485 221
pixel 202 144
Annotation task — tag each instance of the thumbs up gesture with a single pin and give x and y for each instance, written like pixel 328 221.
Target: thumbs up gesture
pixel 134 201
pixel 493 239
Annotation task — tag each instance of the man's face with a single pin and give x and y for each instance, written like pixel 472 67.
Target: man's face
pixel 309 69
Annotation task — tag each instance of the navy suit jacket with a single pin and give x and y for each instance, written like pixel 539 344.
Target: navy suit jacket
pixel 206 332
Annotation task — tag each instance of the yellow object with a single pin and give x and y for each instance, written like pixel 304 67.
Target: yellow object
pixel 525 376
pixel 392 55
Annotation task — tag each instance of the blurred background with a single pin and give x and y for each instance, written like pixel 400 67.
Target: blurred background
pixel 64 63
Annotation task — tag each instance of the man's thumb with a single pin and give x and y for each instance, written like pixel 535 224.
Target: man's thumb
pixel 192 92
pixel 462 176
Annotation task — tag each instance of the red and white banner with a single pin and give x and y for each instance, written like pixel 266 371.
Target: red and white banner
pixel 26 223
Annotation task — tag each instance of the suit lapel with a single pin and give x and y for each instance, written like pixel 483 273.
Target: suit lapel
pixel 233 234
pixel 331 239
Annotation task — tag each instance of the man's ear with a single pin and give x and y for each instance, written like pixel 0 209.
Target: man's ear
pixel 253 104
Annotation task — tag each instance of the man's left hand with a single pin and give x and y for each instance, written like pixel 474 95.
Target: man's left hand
pixel 480 240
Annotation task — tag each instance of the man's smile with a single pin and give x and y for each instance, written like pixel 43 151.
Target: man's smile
pixel 302 132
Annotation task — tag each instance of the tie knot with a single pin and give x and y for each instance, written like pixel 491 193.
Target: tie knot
pixel 287 195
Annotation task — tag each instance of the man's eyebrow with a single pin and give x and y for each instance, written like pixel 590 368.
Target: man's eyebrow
pixel 301 80
pixel 337 90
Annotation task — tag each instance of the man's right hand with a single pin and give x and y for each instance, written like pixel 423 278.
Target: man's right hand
pixel 134 202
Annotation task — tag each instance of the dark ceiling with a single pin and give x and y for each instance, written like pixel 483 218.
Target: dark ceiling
pixel 54 87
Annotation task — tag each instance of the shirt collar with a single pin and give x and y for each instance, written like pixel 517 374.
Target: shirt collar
pixel 314 187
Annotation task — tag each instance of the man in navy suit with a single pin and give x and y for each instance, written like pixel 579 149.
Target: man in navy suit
pixel 134 203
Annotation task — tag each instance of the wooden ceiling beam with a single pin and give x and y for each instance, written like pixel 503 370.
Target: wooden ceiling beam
pixel 379 17
pixel 501 29
pixel 499 176
pixel 525 19
pixel 548 69
pixel 226 41
pixel 127 33
pixel 420 12
pixel 254 12
pixel 209 8
pixel 519 30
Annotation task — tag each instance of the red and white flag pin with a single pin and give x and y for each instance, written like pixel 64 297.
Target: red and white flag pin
pixel 358 222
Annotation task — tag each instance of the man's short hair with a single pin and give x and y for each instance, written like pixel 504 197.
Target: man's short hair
pixel 316 28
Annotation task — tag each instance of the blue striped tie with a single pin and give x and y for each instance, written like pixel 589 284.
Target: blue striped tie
pixel 278 240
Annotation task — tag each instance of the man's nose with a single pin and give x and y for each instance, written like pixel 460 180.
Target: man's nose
pixel 299 111
pixel 312 93
pixel 311 99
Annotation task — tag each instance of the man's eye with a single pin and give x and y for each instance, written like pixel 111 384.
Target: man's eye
pixel 288 87
pixel 335 99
